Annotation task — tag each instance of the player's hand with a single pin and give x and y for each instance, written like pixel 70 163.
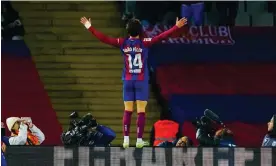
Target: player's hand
pixel 86 22
pixel 180 23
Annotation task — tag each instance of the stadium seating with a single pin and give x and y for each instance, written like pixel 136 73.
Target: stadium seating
pixel 256 7
pixel 250 13
pixel 263 19
pixel 255 14
pixel 242 19
pixel 79 73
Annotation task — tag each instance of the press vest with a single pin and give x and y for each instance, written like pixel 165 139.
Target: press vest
pixel 165 130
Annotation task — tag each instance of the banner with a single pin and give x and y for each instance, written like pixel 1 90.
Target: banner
pixel 211 44
pixel 116 156
pixel 194 35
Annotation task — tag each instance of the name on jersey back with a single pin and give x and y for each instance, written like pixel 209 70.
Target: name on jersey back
pixel 134 49
pixel 137 61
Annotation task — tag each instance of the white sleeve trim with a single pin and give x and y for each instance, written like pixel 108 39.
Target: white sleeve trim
pixel 87 25
pixel 118 40
pixel 147 39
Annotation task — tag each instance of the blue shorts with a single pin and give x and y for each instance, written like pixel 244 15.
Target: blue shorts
pixel 136 90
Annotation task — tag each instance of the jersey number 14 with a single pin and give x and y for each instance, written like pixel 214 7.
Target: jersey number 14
pixel 136 62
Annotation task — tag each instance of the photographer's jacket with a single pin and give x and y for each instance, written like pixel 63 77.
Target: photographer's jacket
pixel 25 136
pixel 164 130
pixel 270 137
pixel 269 141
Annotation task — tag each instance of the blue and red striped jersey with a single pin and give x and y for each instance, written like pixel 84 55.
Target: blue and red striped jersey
pixel 135 55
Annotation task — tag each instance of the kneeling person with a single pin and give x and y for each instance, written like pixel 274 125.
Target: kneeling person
pixel 24 132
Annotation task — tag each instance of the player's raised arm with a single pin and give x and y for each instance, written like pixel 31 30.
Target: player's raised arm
pixel 179 24
pixel 103 38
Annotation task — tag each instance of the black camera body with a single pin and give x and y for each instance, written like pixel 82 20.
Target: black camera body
pixel 86 121
pixel 207 120
pixel 82 131
pixel 206 131
pixel 204 123
pixel 205 128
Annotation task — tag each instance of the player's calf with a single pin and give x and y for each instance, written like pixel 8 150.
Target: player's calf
pixel 141 121
pixel 127 122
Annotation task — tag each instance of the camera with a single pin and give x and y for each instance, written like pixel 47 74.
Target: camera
pixel 203 122
pixel 86 121
pixel 207 133
pixel 82 131
pixel 208 120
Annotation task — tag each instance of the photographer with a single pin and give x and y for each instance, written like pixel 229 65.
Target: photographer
pixel 207 133
pixel 86 131
pixel 24 132
pixel 270 138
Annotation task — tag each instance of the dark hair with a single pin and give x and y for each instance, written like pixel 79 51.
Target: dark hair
pixel 272 133
pixel 134 27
